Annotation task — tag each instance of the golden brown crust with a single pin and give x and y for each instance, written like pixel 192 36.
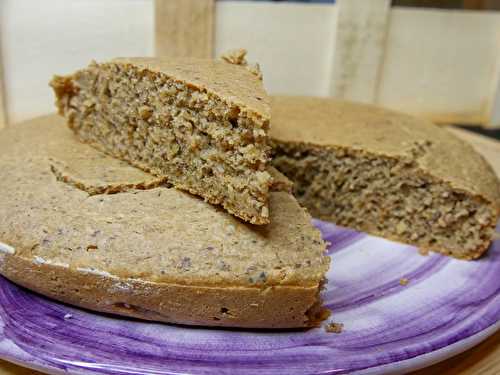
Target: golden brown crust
pixel 244 307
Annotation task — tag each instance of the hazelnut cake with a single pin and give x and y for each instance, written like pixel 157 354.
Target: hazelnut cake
pixel 386 173
pixel 200 124
pixel 148 250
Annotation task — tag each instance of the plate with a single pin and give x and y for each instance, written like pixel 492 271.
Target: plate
pixel 400 311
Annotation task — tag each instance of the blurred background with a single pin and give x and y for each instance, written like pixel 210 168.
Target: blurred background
pixel 437 59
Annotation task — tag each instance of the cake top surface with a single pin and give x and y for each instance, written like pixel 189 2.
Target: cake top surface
pixel 232 82
pixel 158 234
pixel 371 129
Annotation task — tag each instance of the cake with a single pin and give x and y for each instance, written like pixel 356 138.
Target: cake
pixel 199 124
pixel 386 173
pixel 87 229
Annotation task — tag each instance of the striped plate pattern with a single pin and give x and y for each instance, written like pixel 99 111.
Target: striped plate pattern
pixel 446 307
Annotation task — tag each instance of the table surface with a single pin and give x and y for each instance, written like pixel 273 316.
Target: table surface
pixel 483 359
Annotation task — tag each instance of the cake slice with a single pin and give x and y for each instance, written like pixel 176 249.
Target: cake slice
pixel 386 173
pixel 200 124
pixel 148 251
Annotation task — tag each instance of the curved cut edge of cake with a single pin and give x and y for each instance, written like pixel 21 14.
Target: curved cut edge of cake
pixel 386 173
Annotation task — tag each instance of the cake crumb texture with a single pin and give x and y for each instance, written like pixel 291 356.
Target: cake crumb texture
pixel 386 173
pixel 199 124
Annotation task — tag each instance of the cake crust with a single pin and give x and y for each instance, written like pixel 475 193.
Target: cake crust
pixel 334 123
pixel 386 173
pixel 150 252
pixel 230 81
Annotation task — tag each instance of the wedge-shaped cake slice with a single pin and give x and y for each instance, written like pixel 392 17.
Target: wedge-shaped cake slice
pixel 201 124
pixel 148 251
pixel 386 173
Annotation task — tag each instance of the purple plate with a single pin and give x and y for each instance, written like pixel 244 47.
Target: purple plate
pixel 446 307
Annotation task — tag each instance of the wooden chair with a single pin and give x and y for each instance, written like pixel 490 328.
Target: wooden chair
pixel 441 64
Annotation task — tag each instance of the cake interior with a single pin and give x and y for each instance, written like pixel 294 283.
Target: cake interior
pixel 387 197
pixel 201 143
